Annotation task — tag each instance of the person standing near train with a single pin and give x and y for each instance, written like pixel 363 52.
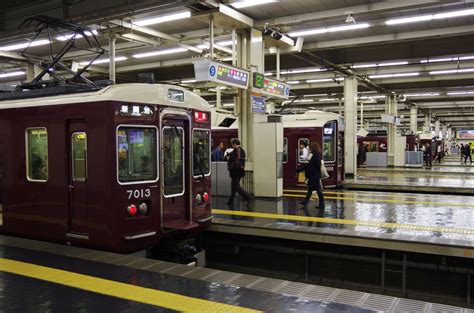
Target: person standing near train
pixel 313 169
pixel 236 167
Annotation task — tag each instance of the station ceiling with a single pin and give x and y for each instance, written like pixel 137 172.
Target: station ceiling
pixel 422 50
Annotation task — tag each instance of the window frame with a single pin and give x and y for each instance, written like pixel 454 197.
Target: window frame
pixel 298 159
pixel 156 150
pixel 184 162
pixel 27 151
pixel 285 139
pixel 334 141
pixel 210 152
pixel 74 179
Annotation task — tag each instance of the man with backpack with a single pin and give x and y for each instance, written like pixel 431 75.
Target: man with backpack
pixel 467 153
pixel 236 167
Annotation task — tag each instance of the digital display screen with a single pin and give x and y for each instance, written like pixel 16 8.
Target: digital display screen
pixel 466 134
pixel 136 110
pixel 232 75
pixel 328 131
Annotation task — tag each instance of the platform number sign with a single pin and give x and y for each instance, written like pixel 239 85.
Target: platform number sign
pixel 212 70
pixel 258 80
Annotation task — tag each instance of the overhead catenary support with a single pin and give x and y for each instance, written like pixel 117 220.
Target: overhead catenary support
pixel 414 119
pixel 278 63
pixel 392 110
pixel 211 36
pixel 350 135
pixel 112 40
pixel 234 47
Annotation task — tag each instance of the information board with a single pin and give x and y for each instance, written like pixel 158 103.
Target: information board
pixel 207 70
pixel 258 104
pixel 466 134
pixel 270 87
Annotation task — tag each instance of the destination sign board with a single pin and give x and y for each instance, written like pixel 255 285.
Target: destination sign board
pixel 270 87
pixel 207 70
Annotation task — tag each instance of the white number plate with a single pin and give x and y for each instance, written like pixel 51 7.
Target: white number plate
pixel 139 193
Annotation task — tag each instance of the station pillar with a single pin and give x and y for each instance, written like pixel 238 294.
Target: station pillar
pixel 391 109
pixel 413 119
pixel 32 71
pixel 437 128
pixel 350 135
pixel 427 124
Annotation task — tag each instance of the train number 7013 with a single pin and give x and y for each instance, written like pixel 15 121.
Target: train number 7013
pixel 139 193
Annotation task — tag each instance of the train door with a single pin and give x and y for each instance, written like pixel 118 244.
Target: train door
pixel 76 138
pixel 175 167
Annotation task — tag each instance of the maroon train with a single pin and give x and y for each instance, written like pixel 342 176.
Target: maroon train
pixel 323 127
pixel 117 169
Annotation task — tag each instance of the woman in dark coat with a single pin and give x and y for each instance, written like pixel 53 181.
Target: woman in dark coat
pixel 313 172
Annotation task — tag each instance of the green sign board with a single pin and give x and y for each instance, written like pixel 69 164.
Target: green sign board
pixel 258 80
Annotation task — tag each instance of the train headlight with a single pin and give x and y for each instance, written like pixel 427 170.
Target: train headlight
pixel 143 208
pixel 205 197
pixel 132 210
pixel 198 198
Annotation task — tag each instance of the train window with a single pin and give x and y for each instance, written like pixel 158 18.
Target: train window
pixel 136 154
pixel 303 150
pixel 79 156
pixel 329 141
pixel 285 150
pixel 173 161
pixel 201 152
pixel 37 154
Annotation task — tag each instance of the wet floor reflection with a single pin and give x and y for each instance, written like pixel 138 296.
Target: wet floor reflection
pixel 431 211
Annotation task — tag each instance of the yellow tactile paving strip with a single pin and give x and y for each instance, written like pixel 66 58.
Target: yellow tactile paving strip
pixel 303 193
pixel 441 229
pixel 116 289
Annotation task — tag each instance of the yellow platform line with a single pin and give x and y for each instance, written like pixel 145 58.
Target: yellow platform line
pixel 441 229
pixel 373 193
pixel 385 200
pixel 116 289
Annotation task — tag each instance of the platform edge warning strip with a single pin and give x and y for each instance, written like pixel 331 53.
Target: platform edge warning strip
pixel 116 289
pixel 441 229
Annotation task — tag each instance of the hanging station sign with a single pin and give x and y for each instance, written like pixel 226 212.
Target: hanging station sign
pixel 258 104
pixel 270 87
pixel 212 71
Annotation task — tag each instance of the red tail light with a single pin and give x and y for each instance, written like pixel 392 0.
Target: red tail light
pixel 205 197
pixel 132 210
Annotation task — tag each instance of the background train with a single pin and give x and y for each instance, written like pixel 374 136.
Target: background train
pixel 323 127
pixel 118 169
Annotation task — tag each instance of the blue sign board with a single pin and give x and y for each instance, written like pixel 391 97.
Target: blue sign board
pixel 258 104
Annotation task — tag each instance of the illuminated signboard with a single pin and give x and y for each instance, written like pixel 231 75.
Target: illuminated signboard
pixel 136 110
pixel 207 70
pixel 270 87
pixel 466 134
pixel 258 104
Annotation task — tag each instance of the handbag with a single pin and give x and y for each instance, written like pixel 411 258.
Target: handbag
pixel 324 171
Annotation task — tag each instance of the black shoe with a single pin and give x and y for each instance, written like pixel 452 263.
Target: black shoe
pixel 250 199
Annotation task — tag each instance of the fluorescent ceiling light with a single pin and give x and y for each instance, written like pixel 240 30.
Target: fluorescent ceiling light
pixel 469 57
pixel 69 36
pixel 372 97
pixel 20 46
pixel 316 95
pixel 393 63
pixel 159 52
pixel 457 71
pixel 328 99
pixel 394 75
pixel 10 74
pixel 320 80
pixel 363 65
pixel 203 46
pixel 298 101
pixel 268 74
pixel 460 93
pixel 250 3
pixel 188 81
pixel 293 82
pixel 224 43
pixel 163 18
pixel 328 30
pixel 101 61
pixel 303 70
pixel 427 94
pixel 429 17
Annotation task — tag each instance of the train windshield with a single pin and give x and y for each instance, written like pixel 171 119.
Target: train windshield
pixel 173 161
pixel 136 154
pixel 201 151
pixel 329 141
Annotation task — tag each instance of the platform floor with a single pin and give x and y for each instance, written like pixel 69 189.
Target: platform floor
pixel 67 279
pixel 448 217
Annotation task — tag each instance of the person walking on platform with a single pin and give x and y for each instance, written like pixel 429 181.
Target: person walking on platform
pixel 467 153
pixel 461 151
pixel 236 167
pixel 218 153
pixel 313 170
pixel 427 154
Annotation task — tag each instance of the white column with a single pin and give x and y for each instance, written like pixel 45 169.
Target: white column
pixel 350 117
pixel 112 57
pixel 414 119
pixel 391 109
pixel 218 98
pixel 234 47
pixel 278 64
pixel 437 128
pixel 211 36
